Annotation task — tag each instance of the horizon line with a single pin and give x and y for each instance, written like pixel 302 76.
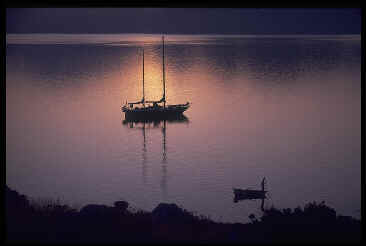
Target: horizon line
pixel 166 34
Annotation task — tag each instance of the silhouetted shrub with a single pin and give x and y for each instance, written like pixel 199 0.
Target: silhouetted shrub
pixel 15 201
pixel 171 213
pixel 121 205
pixel 314 222
pixel 50 221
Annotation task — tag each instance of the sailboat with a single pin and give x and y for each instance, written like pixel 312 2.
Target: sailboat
pixel 156 110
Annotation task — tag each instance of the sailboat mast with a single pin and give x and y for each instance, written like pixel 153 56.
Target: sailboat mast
pixel 163 73
pixel 143 78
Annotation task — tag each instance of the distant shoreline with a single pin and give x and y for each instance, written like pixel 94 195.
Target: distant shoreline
pixel 132 38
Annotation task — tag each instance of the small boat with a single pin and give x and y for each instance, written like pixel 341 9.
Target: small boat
pixel 154 111
pixel 248 194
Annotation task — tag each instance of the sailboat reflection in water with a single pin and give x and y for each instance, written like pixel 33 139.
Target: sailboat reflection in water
pixel 150 124
pixel 154 111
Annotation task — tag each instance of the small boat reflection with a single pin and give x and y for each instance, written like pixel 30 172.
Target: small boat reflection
pixel 251 194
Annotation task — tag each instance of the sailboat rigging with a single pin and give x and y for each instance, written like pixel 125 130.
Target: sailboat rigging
pixel 155 111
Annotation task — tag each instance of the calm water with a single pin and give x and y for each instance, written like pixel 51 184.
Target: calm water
pixel 284 107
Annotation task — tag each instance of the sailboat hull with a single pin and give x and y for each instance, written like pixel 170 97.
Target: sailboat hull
pixel 171 111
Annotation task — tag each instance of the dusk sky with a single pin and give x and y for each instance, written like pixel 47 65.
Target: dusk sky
pixel 184 20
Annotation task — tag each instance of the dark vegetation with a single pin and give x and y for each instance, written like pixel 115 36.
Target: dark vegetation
pixel 53 222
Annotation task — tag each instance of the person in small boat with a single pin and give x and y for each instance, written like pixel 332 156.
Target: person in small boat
pixel 263 183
